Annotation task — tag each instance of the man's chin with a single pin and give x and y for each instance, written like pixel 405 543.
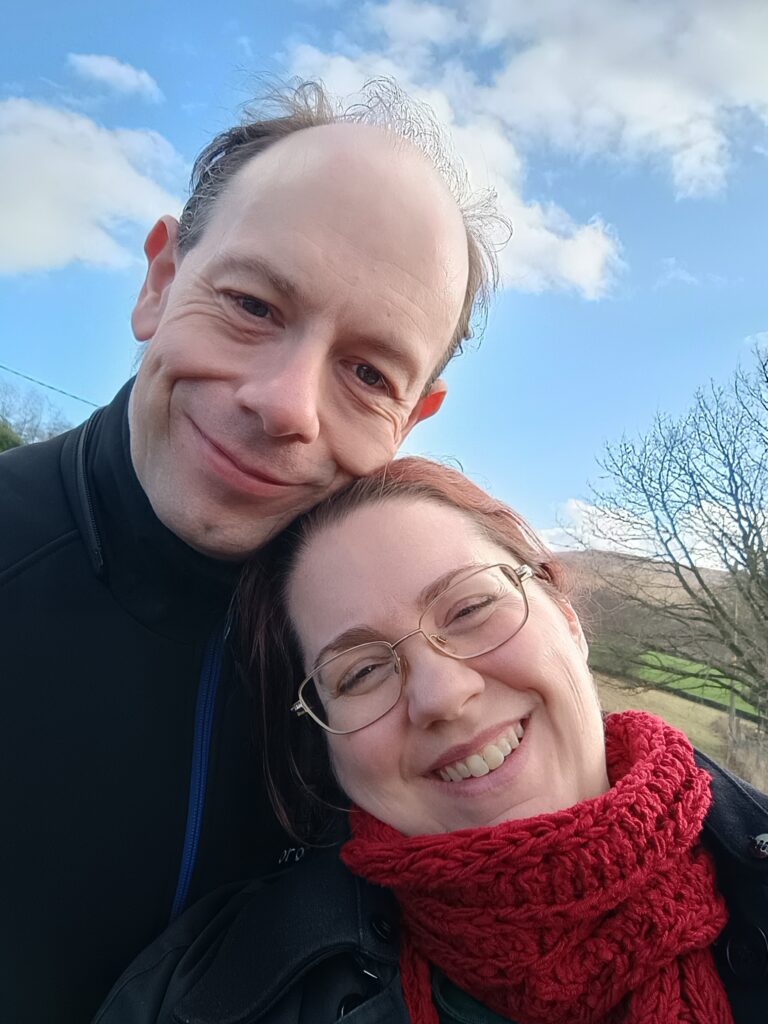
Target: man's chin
pixel 227 546
pixel 211 535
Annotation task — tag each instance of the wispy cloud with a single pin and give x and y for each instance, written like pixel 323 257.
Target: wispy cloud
pixel 674 272
pixel 72 187
pixel 244 44
pixel 623 531
pixel 116 75
pixel 582 525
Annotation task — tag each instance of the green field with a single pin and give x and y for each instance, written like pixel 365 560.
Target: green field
pixel 693 677
pixel 705 727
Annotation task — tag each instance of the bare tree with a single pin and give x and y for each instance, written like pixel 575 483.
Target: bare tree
pixel 689 500
pixel 29 415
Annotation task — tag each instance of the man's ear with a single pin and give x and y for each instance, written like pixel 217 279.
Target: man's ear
pixel 160 250
pixel 427 405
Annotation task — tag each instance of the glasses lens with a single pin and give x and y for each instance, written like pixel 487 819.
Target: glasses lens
pixel 477 613
pixel 354 688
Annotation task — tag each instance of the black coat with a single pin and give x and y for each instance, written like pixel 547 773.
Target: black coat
pixel 105 623
pixel 331 945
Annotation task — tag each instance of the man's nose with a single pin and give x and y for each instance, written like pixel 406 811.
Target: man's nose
pixel 284 388
pixel 438 688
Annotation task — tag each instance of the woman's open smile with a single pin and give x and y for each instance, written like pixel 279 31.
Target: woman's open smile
pixel 483 760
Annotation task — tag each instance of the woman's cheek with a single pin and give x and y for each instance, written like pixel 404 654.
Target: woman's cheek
pixel 344 763
pixel 361 763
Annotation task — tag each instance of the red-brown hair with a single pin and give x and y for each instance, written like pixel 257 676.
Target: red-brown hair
pixel 297 769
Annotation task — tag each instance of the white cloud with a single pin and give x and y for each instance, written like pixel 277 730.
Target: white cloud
pixel 406 22
pixel 71 187
pixel 662 80
pixel 549 248
pixel 667 82
pixel 116 75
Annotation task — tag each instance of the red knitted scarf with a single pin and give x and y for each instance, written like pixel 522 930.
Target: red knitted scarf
pixel 604 912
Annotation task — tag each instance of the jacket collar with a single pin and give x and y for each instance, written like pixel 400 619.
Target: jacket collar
pixel 155 576
pixel 266 950
pixel 739 812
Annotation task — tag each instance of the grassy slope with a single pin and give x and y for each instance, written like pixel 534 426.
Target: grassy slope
pixel 664 668
pixel 705 727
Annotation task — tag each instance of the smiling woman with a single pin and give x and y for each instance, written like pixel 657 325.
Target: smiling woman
pixel 425 674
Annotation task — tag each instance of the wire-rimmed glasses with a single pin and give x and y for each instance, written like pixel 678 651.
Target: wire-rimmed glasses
pixel 474 615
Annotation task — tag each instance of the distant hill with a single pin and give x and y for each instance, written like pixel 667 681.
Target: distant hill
pixel 633 604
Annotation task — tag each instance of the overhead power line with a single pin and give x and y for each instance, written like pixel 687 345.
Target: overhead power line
pixel 50 387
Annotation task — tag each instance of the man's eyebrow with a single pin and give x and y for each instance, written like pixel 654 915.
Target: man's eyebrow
pixel 362 634
pixel 248 266
pixel 257 267
pixel 394 354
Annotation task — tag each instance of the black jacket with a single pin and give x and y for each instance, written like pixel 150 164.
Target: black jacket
pixel 332 941
pixel 114 683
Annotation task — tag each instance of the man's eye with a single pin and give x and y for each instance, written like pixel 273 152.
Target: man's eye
pixel 370 376
pixel 254 306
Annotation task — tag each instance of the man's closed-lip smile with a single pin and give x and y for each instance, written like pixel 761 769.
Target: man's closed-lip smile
pixel 245 477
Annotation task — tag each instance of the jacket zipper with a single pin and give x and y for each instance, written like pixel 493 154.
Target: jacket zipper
pixel 204 710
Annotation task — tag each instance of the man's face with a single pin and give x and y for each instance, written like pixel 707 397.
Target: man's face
pixel 290 348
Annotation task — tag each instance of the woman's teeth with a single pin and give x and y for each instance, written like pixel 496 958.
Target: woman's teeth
pixel 486 760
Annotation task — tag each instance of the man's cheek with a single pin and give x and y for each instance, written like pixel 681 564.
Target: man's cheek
pixel 360 456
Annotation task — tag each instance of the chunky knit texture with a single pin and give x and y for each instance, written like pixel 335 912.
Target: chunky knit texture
pixel 603 912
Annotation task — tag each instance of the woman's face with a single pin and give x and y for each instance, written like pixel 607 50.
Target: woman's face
pixel 367 572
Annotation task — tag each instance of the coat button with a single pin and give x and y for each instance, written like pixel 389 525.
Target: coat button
pixel 382 928
pixel 759 846
pixel 348 1004
pixel 747 953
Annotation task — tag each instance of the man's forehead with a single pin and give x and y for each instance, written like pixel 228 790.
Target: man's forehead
pixel 354 179
pixel 362 165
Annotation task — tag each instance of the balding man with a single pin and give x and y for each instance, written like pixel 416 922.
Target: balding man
pixel 297 319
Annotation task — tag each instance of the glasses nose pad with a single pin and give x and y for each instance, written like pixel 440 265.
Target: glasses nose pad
pixel 435 638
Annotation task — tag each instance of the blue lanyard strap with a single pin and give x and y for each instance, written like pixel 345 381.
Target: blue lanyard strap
pixel 204 713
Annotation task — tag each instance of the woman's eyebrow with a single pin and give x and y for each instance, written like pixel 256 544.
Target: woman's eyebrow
pixel 349 638
pixel 436 588
pixel 363 634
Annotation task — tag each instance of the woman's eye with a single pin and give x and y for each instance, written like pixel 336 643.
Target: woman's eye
pixel 370 376
pixel 354 679
pixel 475 606
pixel 253 306
pixel 470 612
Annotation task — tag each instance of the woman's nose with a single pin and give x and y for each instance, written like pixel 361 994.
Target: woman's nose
pixel 438 687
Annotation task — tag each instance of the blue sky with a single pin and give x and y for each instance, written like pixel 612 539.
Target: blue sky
pixel 628 144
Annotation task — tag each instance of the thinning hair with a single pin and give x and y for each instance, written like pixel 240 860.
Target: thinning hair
pixel 284 109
